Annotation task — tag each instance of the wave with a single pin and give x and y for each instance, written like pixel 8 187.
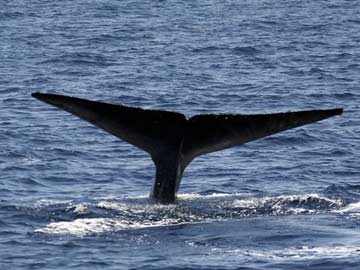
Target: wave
pixel 352 210
pixel 112 215
pixel 289 204
pixel 85 226
pixel 237 50
pixel 295 253
pixel 245 50
pixel 81 58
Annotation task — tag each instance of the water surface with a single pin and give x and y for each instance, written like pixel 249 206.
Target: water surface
pixel 75 197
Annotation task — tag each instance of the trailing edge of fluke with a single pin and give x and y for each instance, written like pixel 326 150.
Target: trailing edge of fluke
pixel 174 141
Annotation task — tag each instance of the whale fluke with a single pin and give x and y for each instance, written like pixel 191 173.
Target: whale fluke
pixel 150 130
pixel 210 133
pixel 173 141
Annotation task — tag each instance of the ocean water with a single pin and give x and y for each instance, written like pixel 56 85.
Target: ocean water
pixel 75 197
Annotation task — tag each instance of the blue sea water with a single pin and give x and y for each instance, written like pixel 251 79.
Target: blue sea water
pixel 75 197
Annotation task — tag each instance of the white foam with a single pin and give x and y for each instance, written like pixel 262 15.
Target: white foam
pixel 113 205
pixel 352 207
pixel 123 197
pixel 79 209
pixel 86 226
pixel 147 215
pixel 134 208
pixel 179 196
pixel 79 227
pixel 296 253
pixel 192 196
pixel 278 204
pixel 49 202
pixel 353 210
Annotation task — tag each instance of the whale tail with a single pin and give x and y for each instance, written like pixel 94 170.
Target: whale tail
pixel 210 133
pixel 173 141
pixel 150 130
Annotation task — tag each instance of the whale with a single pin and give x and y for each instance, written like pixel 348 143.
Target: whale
pixel 172 140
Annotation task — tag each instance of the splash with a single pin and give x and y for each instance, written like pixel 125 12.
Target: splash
pixel 353 210
pixel 112 215
pixel 86 226
pixel 288 204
